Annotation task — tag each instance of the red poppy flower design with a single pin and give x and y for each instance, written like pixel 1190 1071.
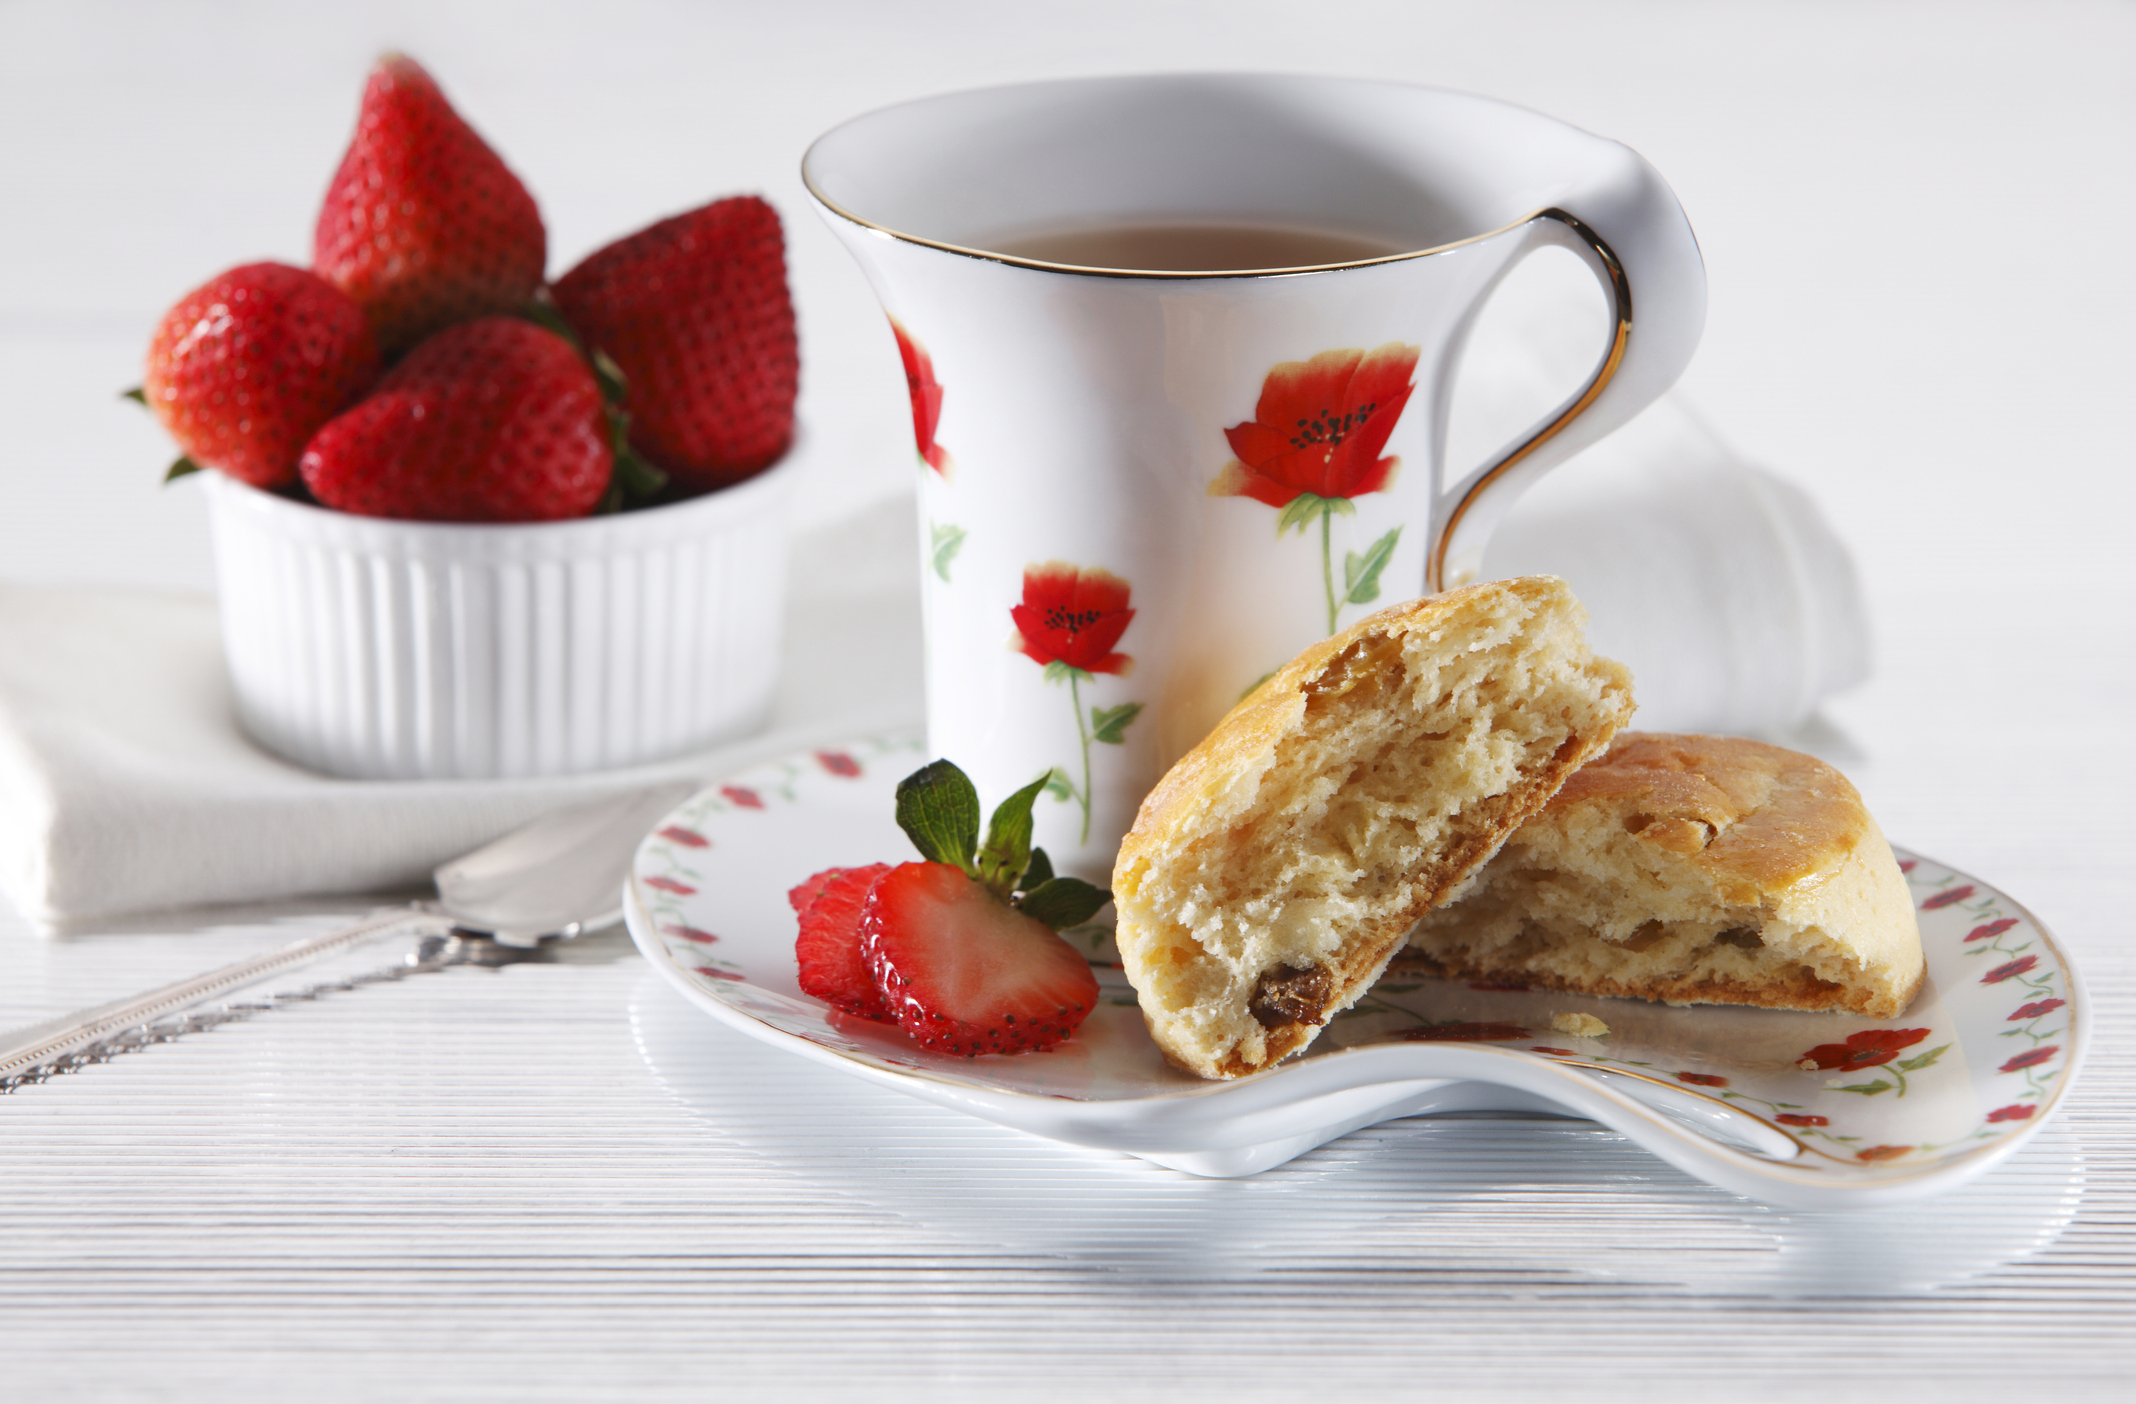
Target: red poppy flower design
pixel 1554 1052
pixel 1867 1049
pixel 689 933
pixel 1946 899
pixel 688 838
pixel 1463 1033
pixel 926 393
pixel 1800 1119
pixel 1990 931
pixel 2016 1111
pixel 1909 865
pixel 1875 1153
pixel 718 974
pixel 1319 427
pixel 668 884
pixel 2009 970
pixel 1073 617
pixel 838 763
pixel 2031 1060
pixel 2036 1008
pixel 1702 1079
pixel 743 796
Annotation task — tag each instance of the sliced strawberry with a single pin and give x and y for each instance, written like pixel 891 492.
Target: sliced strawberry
pixel 423 224
pixel 966 973
pixel 247 366
pixel 694 310
pixel 494 420
pixel 828 948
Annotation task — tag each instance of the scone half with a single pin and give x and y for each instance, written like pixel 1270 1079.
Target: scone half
pixel 1693 870
pixel 1277 867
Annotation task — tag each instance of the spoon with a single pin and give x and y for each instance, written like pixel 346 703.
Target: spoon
pixel 554 878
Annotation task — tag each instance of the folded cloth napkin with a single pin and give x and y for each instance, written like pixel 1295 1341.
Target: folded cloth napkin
pixel 127 787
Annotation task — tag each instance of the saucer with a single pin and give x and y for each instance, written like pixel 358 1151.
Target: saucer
pixel 1885 1110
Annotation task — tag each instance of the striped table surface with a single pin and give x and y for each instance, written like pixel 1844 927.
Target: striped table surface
pixel 559 1181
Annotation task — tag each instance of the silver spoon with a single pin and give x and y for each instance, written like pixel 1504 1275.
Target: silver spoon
pixel 556 877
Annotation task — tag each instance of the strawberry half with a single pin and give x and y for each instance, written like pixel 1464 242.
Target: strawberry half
pixel 247 366
pixel 695 312
pixel 828 948
pixel 495 420
pixel 966 973
pixel 423 225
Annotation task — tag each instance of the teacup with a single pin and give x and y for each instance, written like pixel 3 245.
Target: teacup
pixel 1144 488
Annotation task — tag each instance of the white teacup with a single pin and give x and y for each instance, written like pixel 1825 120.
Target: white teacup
pixel 1145 487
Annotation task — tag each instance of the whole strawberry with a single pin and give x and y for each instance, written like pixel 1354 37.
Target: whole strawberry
pixel 247 366
pixel 495 420
pixel 423 225
pixel 694 310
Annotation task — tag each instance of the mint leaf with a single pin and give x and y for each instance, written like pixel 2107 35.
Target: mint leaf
pixel 180 469
pixel 1063 902
pixel 948 540
pixel 1040 869
pixel 938 809
pixel 1007 850
pixel 1361 574
pixel 1109 724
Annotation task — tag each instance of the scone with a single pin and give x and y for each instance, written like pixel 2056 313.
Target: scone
pixel 1694 870
pixel 1278 865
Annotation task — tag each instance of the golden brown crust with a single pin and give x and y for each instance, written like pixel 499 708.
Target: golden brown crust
pixel 1278 866
pixel 1694 870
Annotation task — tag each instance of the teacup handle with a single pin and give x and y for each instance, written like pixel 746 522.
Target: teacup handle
pixel 1626 226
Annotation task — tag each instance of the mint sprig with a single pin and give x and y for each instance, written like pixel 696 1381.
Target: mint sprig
pixel 938 808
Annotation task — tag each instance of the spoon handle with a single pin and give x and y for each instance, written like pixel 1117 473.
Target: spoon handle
pixel 42 1043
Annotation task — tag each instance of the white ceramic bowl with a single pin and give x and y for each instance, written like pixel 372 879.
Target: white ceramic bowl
pixel 396 650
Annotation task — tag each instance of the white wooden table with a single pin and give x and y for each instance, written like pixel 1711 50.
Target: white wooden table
pixel 555 1182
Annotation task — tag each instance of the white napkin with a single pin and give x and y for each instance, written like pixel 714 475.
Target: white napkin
pixel 126 786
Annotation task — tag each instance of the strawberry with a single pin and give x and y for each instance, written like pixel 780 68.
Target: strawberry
pixel 966 973
pixel 495 420
pixel 694 311
pixel 249 364
pixel 828 949
pixel 423 225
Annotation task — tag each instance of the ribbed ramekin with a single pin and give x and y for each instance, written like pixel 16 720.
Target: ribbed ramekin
pixel 418 650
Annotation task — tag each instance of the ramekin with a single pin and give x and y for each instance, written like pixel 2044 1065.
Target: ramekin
pixel 389 650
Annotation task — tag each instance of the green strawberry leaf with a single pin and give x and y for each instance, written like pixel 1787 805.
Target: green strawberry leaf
pixel 1007 850
pixel 615 387
pixel 1063 902
pixel 938 809
pixel 182 468
pixel 1361 574
pixel 1868 1089
pixel 948 540
pixel 1109 724
pixel 1040 869
pixel 136 394
pixel 1923 1060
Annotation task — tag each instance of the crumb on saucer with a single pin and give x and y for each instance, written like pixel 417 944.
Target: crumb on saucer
pixel 1579 1025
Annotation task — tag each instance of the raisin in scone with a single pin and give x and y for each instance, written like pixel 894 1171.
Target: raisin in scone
pixel 1278 865
pixel 1693 870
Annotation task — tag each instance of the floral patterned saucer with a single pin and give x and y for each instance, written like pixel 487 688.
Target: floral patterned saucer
pixel 1806 1110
